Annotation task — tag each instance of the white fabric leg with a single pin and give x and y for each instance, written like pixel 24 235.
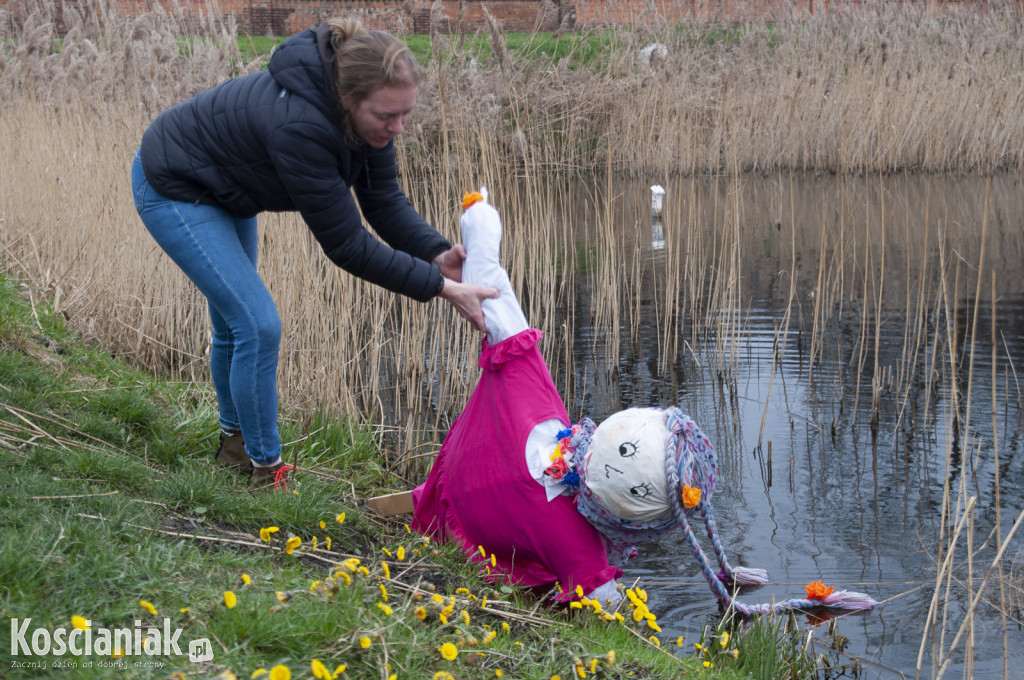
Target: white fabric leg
pixel 481 236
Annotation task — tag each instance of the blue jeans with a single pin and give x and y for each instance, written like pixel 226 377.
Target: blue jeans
pixel 218 253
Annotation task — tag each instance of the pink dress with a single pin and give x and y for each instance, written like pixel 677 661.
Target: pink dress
pixel 480 491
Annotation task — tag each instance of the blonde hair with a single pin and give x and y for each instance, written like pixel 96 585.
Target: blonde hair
pixel 368 60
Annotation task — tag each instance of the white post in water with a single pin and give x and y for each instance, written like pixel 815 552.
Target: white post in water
pixel 657 195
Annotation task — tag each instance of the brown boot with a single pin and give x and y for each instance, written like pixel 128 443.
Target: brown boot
pixel 231 453
pixel 274 478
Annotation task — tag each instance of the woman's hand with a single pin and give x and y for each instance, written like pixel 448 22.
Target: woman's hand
pixel 467 298
pixel 450 262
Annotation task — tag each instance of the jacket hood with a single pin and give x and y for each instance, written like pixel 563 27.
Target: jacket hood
pixel 304 65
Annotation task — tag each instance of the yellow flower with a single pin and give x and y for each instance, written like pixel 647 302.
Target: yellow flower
pixel 400 553
pixel 708 664
pixel 443 675
pixel 293 543
pixel 386 569
pixel 347 578
pixel 724 640
pixel 619 617
pixel 494 560
pixel 642 594
pixel 323 524
pixel 679 641
pixel 266 532
pixel 735 653
pixel 383 592
pixel 313 586
pixel 556 677
pixel 340 519
pixel 387 552
pixel 698 645
pixel 655 641
pixel 280 672
pixel 593 665
pixel 384 608
pixel 328 541
pixel 258 672
pixel 80 622
pixel 420 613
pixel 465 616
pixel 498 673
pixel 653 626
pixel 148 606
pixel 320 671
pixel 505 627
pixel 575 604
pixel 229 599
pixel 442 617
pixel 339 670
pixel 483 553
pixel 489 637
pixel 283 596
pixel 245 579
pixel 364 642
pixel 184 610
pixel 364 571
pixel 611 657
pixel 449 651
pixel 314 544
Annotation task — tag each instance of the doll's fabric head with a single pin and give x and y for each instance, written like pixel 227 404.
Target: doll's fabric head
pixel 625 465
pixel 640 472
pixel 638 459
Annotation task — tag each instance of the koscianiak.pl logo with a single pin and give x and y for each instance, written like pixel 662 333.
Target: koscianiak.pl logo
pixel 107 646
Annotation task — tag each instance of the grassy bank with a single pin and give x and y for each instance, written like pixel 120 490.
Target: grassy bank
pixel 113 511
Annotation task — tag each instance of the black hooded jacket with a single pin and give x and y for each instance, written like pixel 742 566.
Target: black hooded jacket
pixel 274 141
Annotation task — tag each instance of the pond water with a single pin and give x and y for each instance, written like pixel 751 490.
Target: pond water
pixel 841 286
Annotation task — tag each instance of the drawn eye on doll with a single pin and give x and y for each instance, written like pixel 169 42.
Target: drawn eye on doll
pixel 608 469
pixel 641 490
pixel 627 449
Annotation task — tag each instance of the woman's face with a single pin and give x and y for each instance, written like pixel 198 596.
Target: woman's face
pixel 382 115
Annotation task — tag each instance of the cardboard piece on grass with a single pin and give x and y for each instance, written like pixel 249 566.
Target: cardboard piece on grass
pixel 392 504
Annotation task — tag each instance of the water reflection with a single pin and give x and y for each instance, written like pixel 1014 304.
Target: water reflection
pixel 861 350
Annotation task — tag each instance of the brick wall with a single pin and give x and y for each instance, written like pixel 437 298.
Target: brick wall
pixel 284 17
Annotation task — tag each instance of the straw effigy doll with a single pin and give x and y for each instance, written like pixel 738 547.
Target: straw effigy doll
pixel 548 502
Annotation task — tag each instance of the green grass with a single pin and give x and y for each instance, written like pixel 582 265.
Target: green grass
pixel 109 499
pixel 579 50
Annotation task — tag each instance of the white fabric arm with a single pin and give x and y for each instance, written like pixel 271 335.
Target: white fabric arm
pixel 607 594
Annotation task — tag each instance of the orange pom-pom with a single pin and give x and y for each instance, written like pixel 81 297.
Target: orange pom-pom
pixel 691 496
pixel 470 198
pixel 816 590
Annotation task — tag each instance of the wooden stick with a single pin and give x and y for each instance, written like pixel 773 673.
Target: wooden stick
pixel 83 495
